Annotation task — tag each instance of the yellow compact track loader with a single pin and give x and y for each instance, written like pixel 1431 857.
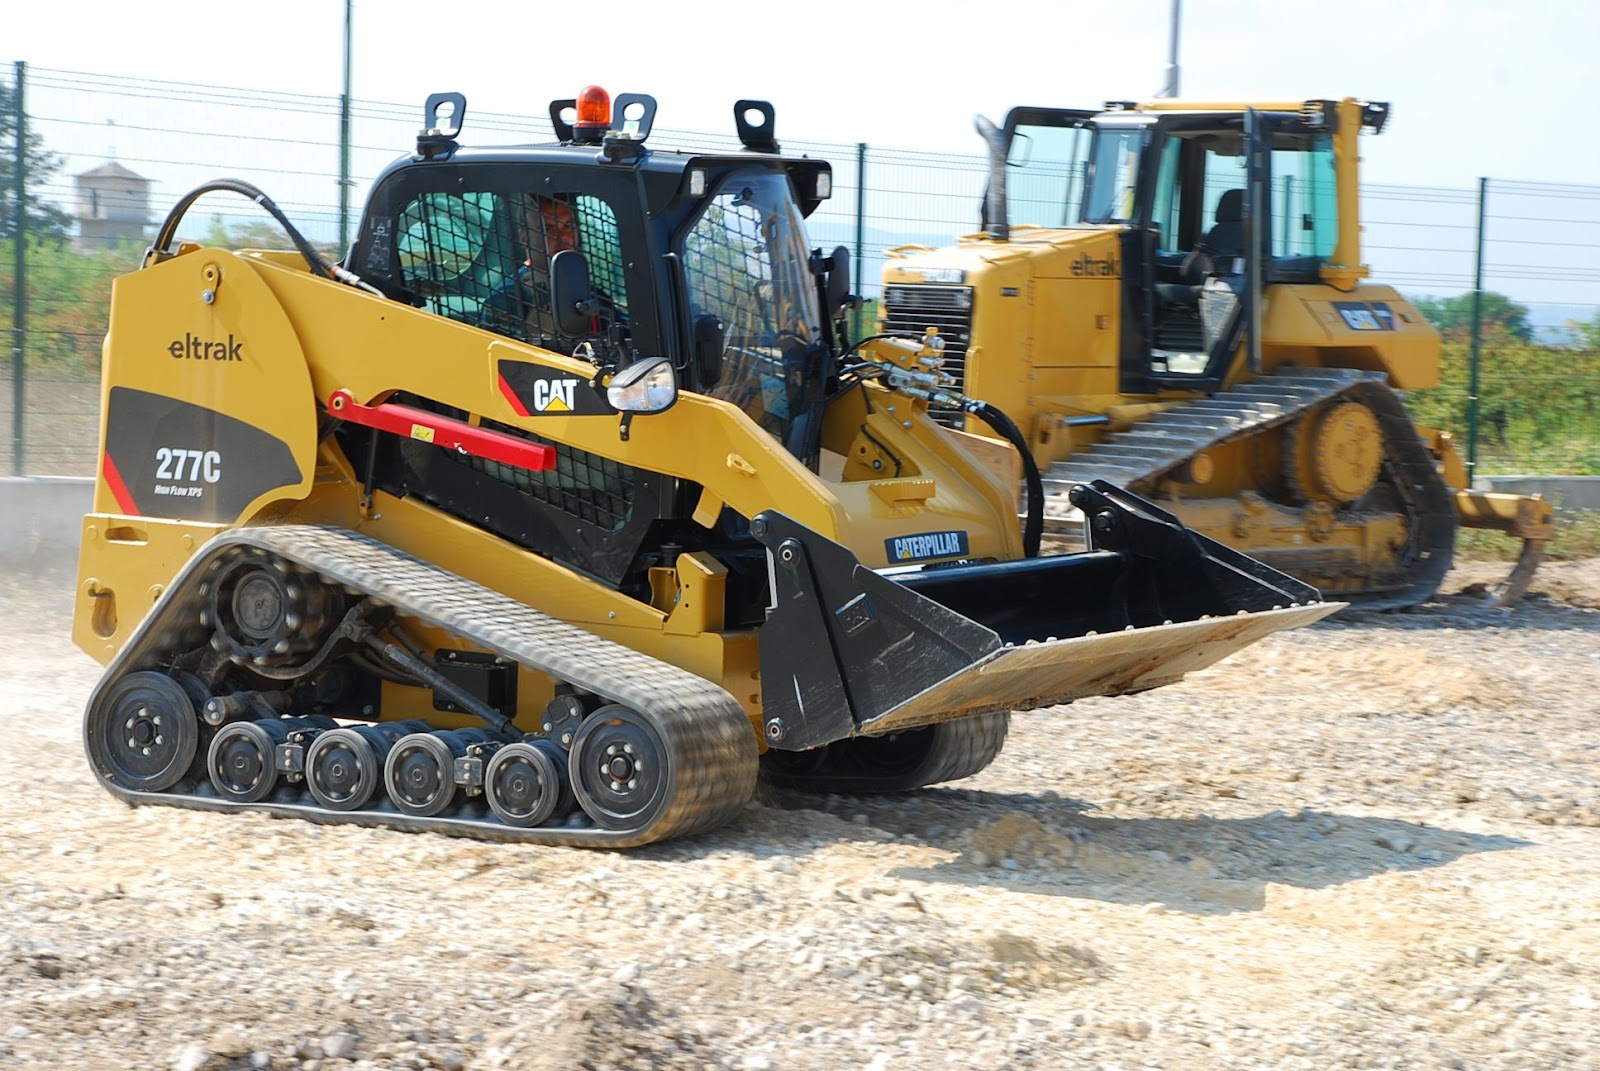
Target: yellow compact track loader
pixel 1183 313
pixel 559 512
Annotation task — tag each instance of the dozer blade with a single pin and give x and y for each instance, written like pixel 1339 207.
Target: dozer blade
pixel 848 651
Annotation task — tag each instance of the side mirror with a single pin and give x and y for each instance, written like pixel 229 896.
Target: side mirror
pixel 838 280
pixel 571 293
pixel 710 339
pixel 647 386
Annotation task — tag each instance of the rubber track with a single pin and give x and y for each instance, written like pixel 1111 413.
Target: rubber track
pixel 960 749
pixel 1270 401
pixel 967 745
pixel 706 732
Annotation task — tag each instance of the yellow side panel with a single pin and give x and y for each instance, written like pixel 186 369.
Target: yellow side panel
pixel 1079 295
pixel 208 384
pixel 373 347
pixel 124 564
pixel 1370 327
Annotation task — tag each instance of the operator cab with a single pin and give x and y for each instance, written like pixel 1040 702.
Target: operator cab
pixel 702 259
pixel 1188 186
pixel 598 248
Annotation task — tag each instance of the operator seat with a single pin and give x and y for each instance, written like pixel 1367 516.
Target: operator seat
pixel 1224 239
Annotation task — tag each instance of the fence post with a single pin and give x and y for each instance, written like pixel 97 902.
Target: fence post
pixel 1477 339
pixel 861 218
pixel 19 308
pixel 344 141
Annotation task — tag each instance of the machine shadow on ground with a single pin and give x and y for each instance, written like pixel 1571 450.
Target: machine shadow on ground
pixel 1203 865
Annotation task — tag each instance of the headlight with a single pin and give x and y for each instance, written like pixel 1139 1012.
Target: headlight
pixel 648 386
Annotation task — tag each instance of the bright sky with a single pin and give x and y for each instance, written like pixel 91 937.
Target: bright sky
pixel 1478 86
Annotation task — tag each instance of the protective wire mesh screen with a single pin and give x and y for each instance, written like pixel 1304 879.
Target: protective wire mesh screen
pixel 484 258
pixel 587 486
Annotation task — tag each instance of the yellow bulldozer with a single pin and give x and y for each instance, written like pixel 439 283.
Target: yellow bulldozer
pixel 1183 311
pixel 559 511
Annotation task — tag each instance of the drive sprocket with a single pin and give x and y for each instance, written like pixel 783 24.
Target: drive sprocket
pixel 1334 454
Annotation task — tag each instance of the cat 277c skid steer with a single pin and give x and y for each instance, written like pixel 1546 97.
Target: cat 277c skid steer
pixel 559 511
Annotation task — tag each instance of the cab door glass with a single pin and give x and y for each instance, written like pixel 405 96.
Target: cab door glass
pixel 1167 204
pixel 745 261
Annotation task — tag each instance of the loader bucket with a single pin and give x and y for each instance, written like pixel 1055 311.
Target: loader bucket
pixel 850 651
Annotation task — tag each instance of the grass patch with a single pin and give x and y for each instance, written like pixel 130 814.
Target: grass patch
pixel 1577 537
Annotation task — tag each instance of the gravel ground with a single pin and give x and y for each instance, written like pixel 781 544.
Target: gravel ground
pixel 1373 843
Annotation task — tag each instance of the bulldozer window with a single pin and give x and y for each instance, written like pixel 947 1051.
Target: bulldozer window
pixel 1192 205
pixel 1045 168
pixel 1113 173
pixel 1305 209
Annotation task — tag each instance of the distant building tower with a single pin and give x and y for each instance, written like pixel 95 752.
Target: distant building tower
pixel 113 204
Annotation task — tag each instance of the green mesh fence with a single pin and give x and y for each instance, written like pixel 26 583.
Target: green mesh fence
pixel 148 142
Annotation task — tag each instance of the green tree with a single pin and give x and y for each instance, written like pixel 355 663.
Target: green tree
pixel 1453 315
pixel 1586 333
pixel 69 299
pixel 257 234
pixel 43 219
pixel 254 234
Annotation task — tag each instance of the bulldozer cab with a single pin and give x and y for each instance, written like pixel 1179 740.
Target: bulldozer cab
pixel 1213 204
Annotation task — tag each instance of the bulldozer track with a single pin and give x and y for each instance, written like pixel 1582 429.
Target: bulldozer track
pixel 710 744
pixel 1155 447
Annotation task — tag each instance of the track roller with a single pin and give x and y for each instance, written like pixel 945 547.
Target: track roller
pixel 420 769
pixel 690 757
pixel 142 732
pixel 242 762
pixel 526 784
pixel 344 767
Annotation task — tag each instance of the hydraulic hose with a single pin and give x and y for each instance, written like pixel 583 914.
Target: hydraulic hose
pixel 1033 527
pixel 319 264
pixel 1006 428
